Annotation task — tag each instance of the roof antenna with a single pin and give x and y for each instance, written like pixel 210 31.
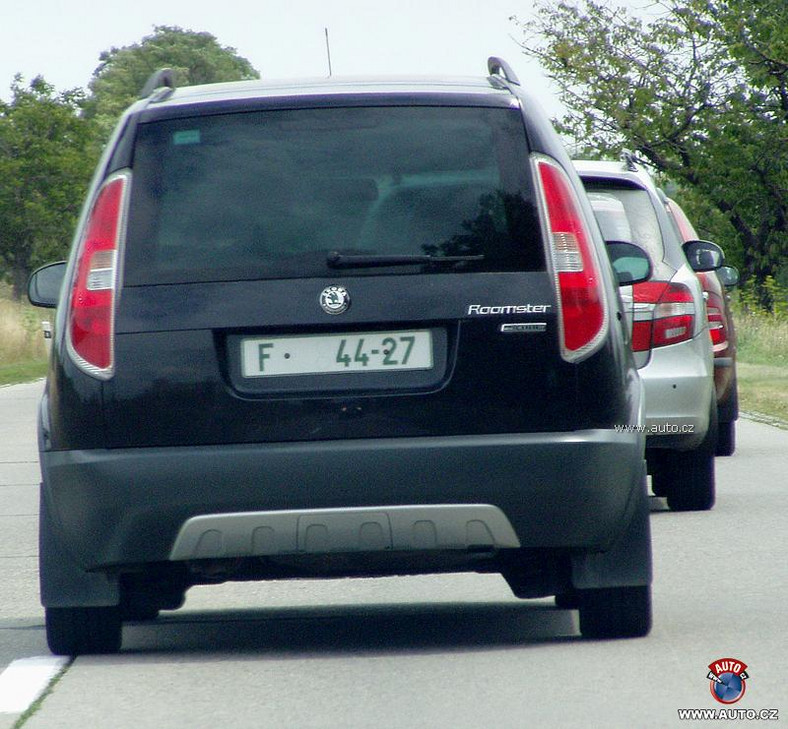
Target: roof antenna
pixel 328 54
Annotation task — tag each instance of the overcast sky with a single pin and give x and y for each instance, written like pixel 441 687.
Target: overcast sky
pixel 62 39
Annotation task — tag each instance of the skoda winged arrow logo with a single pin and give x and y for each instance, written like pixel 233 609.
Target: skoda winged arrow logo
pixel 334 299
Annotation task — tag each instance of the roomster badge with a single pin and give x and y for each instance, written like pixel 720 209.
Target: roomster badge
pixel 334 299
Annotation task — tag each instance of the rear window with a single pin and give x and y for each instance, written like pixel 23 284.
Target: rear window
pixel 271 194
pixel 627 214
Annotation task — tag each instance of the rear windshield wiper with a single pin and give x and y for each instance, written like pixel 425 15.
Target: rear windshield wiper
pixel 342 260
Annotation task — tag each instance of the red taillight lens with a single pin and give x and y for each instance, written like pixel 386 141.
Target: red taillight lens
pixel 715 311
pixel 92 302
pixel 664 314
pixel 583 316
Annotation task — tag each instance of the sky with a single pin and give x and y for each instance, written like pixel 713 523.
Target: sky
pixel 62 39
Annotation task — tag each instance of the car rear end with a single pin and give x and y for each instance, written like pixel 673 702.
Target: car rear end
pixel 723 339
pixel 670 335
pixel 328 331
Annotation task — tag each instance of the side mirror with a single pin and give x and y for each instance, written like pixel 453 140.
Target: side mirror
pixel 703 255
pixel 630 262
pixel 729 276
pixel 44 284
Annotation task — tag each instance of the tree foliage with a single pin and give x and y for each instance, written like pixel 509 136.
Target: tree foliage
pixel 45 166
pixel 698 90
pixel 196 58
pixel 49 142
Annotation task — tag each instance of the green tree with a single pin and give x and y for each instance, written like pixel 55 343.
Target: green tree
pixel 46 160
pixel 196 58
pixel 699 91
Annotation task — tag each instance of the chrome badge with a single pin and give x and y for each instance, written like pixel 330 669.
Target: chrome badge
pixel 334 299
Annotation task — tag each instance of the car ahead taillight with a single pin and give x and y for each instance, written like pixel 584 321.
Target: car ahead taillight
pixel 581 299
pixel 715 309
pixel 92 303
pixel 664 313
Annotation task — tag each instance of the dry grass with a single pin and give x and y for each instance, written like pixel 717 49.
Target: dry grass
pixel 763 339
pixel 22 346
pixel 763 390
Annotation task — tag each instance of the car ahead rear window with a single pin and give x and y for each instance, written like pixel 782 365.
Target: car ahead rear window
pixel 626 213
pixel 272 194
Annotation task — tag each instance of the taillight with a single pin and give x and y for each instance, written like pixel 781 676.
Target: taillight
pixel 92 302
pixel 581 299
pixel 664 313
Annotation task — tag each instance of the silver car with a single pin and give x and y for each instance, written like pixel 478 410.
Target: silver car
pixel 670 335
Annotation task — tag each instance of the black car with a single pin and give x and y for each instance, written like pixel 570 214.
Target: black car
pixel 333 329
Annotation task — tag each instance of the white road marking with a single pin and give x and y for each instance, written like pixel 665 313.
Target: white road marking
pixel 25 680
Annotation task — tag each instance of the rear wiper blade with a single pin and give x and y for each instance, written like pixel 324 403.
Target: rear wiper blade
pixel 342 260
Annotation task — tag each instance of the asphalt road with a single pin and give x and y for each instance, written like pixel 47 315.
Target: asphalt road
pixel 451 651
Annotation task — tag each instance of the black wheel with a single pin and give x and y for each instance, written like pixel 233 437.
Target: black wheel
pixel 615 612
pixel 726 439
pixel 692 486
pixel 75 631
pixel 688 476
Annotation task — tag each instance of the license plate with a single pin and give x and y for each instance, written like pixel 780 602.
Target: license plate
pixel 336 353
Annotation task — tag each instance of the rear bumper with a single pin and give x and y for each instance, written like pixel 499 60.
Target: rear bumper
pixel 679 386
pixel 111 508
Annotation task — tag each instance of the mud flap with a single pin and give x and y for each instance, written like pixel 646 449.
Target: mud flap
pixel 628 561
pixel 63 582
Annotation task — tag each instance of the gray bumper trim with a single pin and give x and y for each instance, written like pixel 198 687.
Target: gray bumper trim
pixel 363 529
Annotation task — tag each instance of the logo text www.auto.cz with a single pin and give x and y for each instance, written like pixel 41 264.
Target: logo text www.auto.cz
pixel 729 714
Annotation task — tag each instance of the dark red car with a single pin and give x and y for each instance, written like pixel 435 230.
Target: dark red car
pixel 723 335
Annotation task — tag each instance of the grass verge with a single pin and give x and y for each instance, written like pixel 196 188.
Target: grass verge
pixel 23 353
pixel 762 363
pixel 763 391
pixel 16 372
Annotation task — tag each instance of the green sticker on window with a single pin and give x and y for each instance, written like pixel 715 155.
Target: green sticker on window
pixel 187 136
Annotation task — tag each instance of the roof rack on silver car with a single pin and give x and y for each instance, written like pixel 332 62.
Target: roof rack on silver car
pixel 631 161
pixel 162 81
pixel 499 67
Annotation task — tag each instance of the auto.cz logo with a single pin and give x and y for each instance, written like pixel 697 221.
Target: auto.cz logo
pixel 727 679
pixel 728 682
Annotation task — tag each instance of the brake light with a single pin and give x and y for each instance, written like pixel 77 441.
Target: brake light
pixel 716 316
pixel 92 302
pixel 581 300
pixel 664 314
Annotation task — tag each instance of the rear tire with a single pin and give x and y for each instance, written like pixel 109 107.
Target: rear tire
pixel 692 484
pixel 615 612
pixel 74 631
pixel 687 477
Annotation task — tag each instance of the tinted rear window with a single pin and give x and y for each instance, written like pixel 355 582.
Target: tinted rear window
pixel 271 194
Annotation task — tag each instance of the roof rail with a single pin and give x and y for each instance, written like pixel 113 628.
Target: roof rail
pixel 498 67
pixel 163 78
pixel 630 160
